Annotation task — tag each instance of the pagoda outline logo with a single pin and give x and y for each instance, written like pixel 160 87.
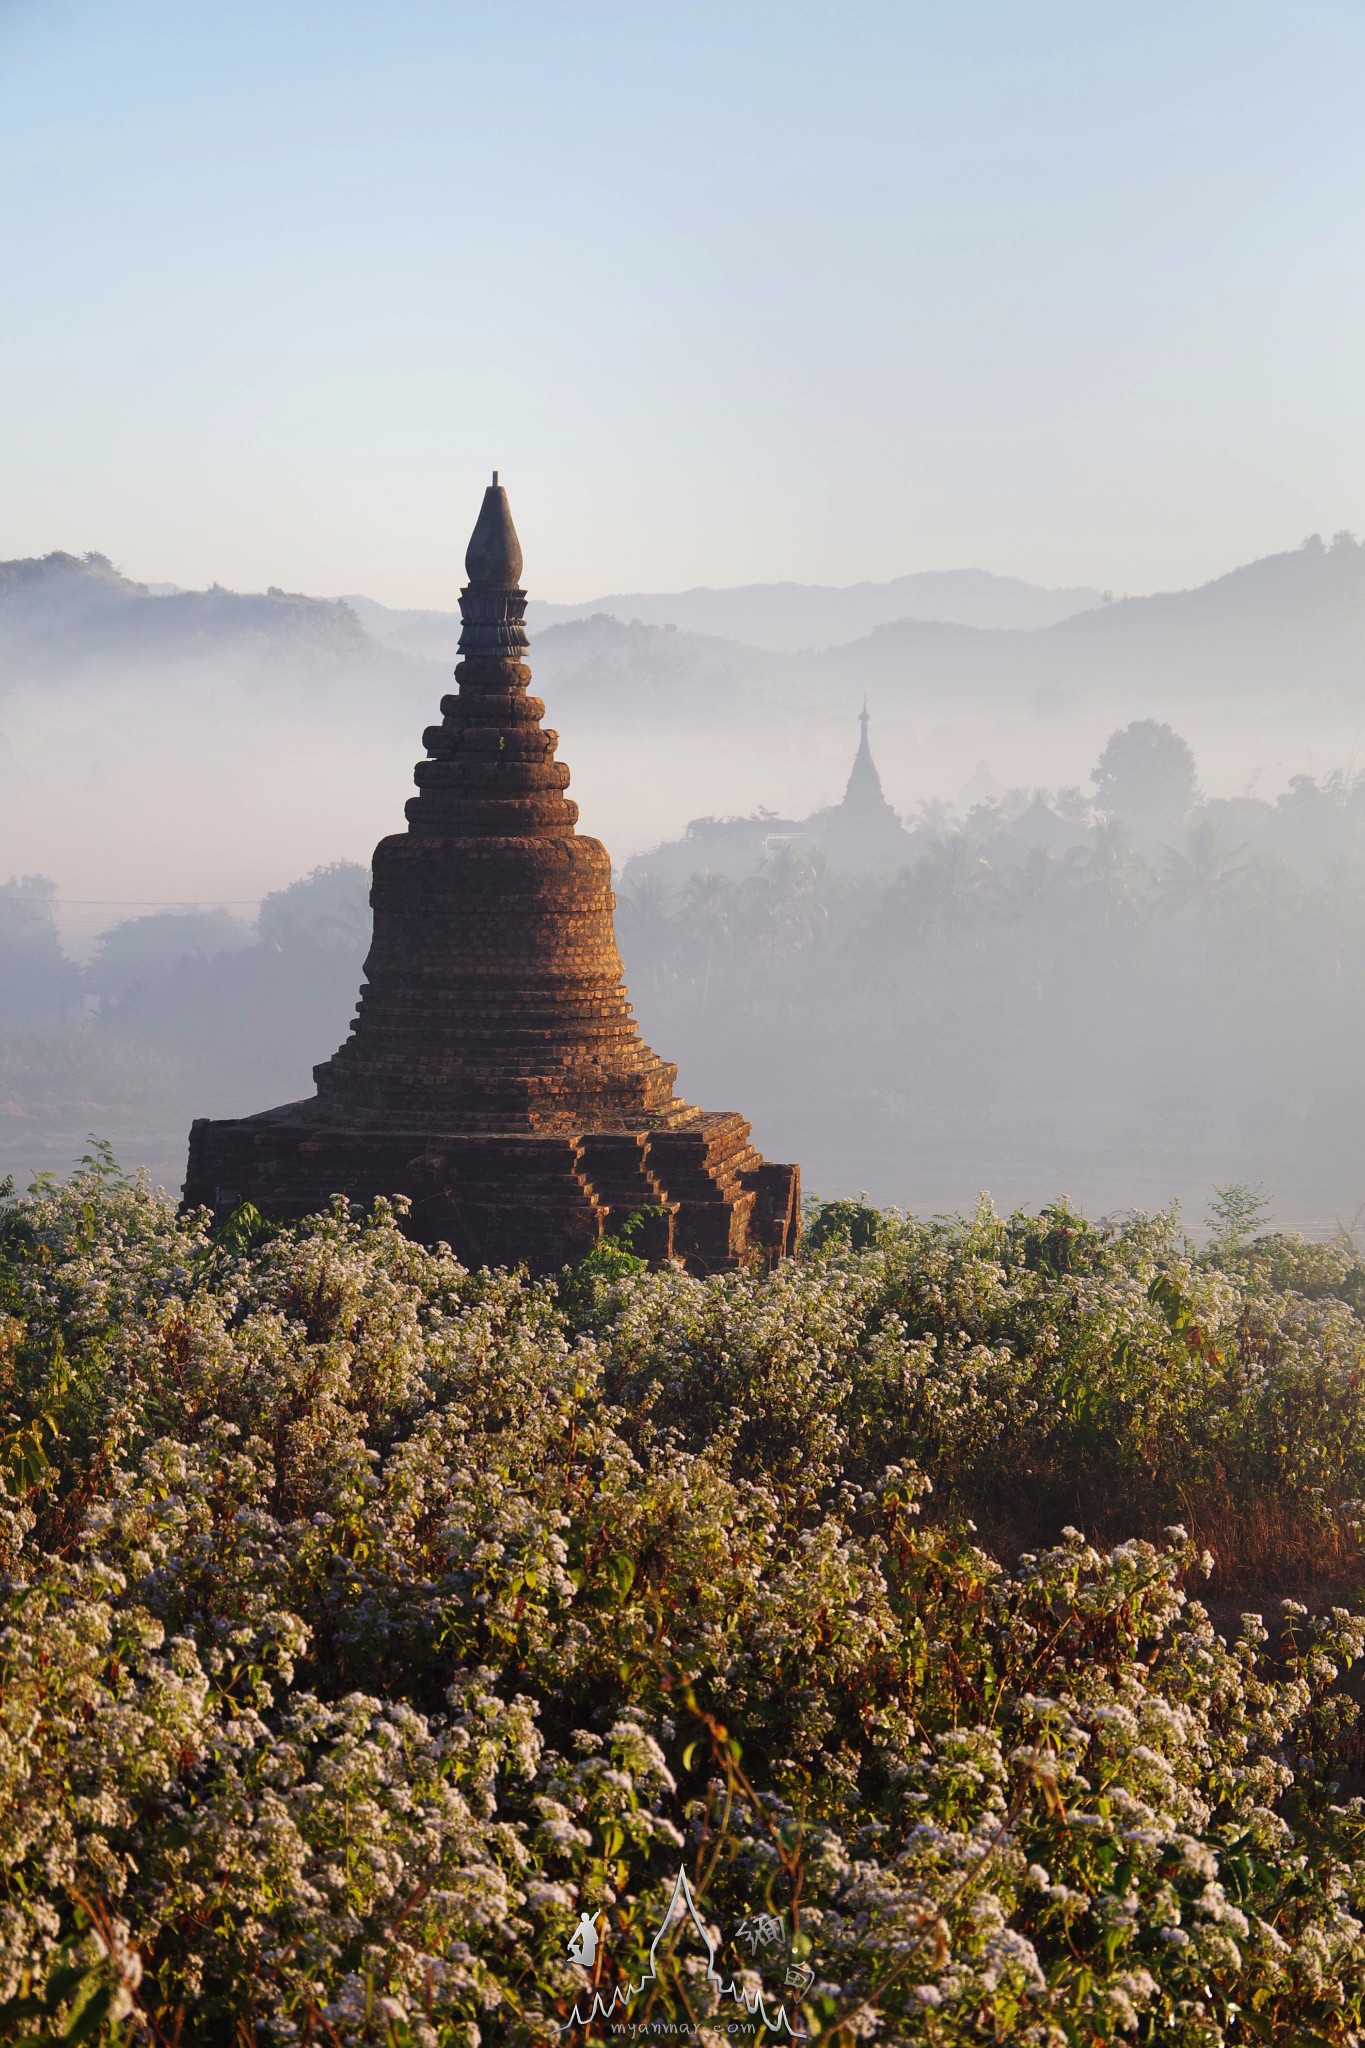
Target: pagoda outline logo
pixel 682 1905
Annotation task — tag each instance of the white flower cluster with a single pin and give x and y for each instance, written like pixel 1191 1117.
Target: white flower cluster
pixel 368 1621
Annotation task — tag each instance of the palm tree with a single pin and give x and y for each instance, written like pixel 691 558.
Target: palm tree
pixel 794 880
pixel 1112 873
pixel 1029 896
pixel 1340 901
pixel 932 814
pixel 1198 878
pixel 709 908
pixel 645 921
pixel 944 890
pixel 1198 881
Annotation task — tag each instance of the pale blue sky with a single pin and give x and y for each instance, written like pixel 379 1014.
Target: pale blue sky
pixel 727 292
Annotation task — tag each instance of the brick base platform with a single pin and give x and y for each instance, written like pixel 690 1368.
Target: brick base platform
pixel 503 1198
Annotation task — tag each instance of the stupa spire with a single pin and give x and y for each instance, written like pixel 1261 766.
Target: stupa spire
pixel 493 603
pixel 492 769
pixel 864 789
pixel 863 831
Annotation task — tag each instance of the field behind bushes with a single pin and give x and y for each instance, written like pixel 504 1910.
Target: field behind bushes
pixel 368 1621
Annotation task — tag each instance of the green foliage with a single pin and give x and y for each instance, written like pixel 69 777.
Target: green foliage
pixel 244 1229
pixel 1237 1213
pixel 368 1621
pixel 585 1287
pixel 151 947
pixel 1145 772
pixel 849 1223
pixel 37 982
pixel 325 912
pixel 1033 983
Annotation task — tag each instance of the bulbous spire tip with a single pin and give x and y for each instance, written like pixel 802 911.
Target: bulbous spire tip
pixel 493 558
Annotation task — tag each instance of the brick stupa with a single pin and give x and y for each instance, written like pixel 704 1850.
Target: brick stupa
pixel 494 1072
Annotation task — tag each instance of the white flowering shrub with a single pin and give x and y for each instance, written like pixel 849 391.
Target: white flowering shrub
pixel 368 1622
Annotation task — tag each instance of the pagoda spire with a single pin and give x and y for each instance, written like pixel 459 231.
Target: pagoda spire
pixel 493 603
pixel 494 996
pixel 492 768
pixel 864 791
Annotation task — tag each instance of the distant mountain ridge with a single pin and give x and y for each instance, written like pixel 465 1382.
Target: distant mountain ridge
pixel 600 668
pixel 61 613
pixel 789 617
pixel 1288 628
pixel 780 618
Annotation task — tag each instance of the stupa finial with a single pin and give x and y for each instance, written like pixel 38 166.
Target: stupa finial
pixel 493 558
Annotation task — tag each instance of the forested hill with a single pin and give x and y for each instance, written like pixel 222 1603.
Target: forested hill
pixel 1289 629
pixel 68 614
pixel 781 618
pixel 786 617
pixel 599 667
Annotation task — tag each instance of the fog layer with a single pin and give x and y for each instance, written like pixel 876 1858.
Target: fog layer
pixel 1055 986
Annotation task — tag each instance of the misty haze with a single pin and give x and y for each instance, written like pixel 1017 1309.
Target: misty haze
pixel 1113 946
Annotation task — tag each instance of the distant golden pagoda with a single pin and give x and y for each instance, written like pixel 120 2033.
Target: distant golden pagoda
pixel 494 1072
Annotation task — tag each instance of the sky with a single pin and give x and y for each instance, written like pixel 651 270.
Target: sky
pixel 728 293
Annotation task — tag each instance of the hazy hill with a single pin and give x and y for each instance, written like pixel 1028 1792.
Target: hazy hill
pixel 1289 628
pixel 785 617
pixel 778 617
pixel 425 636
pixel 64 613
pixel 599 667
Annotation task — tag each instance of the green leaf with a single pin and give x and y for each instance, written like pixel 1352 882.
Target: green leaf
pixel 62 1982
pixel 90 2014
